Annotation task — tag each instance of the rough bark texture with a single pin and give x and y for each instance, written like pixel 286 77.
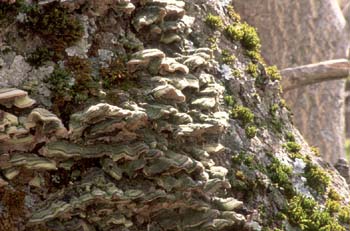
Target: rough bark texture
pixel 297 33
pixel 149 115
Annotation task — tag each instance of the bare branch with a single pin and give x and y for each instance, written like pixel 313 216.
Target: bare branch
pixel 314 73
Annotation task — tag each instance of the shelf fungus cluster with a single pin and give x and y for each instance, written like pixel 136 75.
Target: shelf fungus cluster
pixel 163 19
pixel 144 163
pixel 151 164
pixel 139 164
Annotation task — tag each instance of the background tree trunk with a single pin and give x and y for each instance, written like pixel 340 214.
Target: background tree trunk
pixel 295 33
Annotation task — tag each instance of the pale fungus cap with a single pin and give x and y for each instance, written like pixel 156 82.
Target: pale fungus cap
pixel 14 97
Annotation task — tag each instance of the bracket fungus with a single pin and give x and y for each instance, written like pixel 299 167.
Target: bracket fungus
pixel 143 58
pixel 14 97
pixel 163 19
pixel 48 122
pixel 32 161
pixel 104 119
pixel 66 150
pixel 169 93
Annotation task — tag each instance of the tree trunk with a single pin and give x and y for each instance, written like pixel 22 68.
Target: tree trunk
pixel 148 115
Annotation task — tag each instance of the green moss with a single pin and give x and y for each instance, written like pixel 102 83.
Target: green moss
pixel 72 85
pixel 54 24
pixel 344 215
pixel 61 84
pixel 40 56
pixel 290 137
pixel 276 124
pixel 115 73
pixel 244 114
pixel 214 21
pixel 243 177
pixel 274 109
pixel 61 79
pixel 333 206
pixel 80 97
pixel 280 174
pixel 306 214
pixel 243 158
pixel 232 13
pixel 229 100
pixel 236 73
pixel 253 70
pixel 283 103
pixel 128 84
pixel 235 32
pixel 251 40
pixel 246 34
pixel 84 84
pixel 213 43
pixel 292 147
pixel 347 149
pixel 297 155
pixel 80 68
pixel 273 73
pixel 334 195
pixel 251 131
pixel 9 11
pixel 315 150
pixel 240 175
pixel 227 57
pixel 317 178
pixel 255 56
